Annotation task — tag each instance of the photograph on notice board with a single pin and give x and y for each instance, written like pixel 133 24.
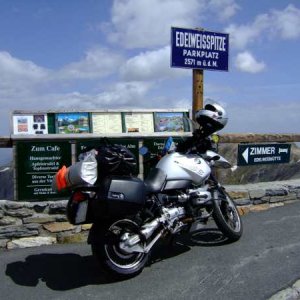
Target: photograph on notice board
pixel 22 123
pixel 169 122
pixel 107 122
pixel 139 122
pixel 40 124
pixel 72 123
pixel 30 124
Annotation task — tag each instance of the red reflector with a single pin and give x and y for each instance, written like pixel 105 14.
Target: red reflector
pixel 78 196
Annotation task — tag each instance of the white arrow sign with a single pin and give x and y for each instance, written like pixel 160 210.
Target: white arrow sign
pixel 246 155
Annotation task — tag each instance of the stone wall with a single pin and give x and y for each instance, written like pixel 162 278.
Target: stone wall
pixel 264 195
pixel 28 224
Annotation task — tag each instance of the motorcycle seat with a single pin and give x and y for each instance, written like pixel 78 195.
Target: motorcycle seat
pixel 155 180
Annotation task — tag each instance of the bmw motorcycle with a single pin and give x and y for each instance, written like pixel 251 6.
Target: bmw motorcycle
pixel 129 215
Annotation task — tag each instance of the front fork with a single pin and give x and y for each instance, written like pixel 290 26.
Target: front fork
pixel 216 189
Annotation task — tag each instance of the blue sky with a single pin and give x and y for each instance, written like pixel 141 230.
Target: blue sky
pixel 95 54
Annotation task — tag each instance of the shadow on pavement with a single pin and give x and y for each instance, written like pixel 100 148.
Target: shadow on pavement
pixel 204 237
pixel 207 237
pixel 68 271
pixel 58 271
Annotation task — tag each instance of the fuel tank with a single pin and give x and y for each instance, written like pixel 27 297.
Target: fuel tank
pixel 184 167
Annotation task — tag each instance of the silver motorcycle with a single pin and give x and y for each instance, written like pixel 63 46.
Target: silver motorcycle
pixel 130 216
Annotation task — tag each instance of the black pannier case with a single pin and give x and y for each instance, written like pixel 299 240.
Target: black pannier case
pixel 119 196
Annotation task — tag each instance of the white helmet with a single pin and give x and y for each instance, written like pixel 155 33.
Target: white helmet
pixel 212 118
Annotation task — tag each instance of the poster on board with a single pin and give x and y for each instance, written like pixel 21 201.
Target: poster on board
pixel 30 124
pixel 72 123
pixel 169 122
pixel 107 123
pixel 139 122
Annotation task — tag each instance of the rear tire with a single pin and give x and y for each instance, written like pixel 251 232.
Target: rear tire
pixel 115 260
pixel 227 216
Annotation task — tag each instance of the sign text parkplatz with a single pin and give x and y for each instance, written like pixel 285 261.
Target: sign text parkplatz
pixel 254 154
pixel 199 49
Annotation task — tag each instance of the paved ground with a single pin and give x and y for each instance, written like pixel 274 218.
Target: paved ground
pixel 265 261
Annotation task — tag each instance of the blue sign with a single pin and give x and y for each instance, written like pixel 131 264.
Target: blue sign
pixel 197 49
pixel 258 154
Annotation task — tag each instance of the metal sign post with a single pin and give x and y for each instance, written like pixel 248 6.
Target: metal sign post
pixel 198 90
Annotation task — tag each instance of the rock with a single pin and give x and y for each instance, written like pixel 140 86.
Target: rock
pixel 292 189
pixel 277 204
pixel 60 218
pixel 243 210
pixel 290 197
pixel 261 201
pixel 276 192
pixel 32 226
pixel 296 286
pixel 287 294
pixel 3 243
pixel 31 242
pixel 257 194
pixel 14 231
pixel 238 195
pixel 1 214
pixel 86 226
pixel 59 226
pixel 38 207
pixel 58 207
pixel 260 207
pixel 242 202
pixel 39 218
pixel 13 205
pixel 19 213
pixel 277 199
pixel 64 238
pixel 7 220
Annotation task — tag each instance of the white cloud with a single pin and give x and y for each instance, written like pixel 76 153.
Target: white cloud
pixel 287 22
pixel 18 78
pixel 151 65
pixel 284 24
pixel 97 63
pixel 147 23
pixel 122 94
pixel 246 62
pixel 241 36
pixel 13 67
pixel 224 9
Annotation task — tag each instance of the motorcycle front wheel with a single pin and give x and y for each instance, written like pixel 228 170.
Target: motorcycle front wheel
pixel 227 216
pixel 112 257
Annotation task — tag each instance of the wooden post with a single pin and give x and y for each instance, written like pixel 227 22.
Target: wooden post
pixel 197 90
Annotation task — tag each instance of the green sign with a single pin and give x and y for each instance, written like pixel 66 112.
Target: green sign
pixel 130 144
pixel 155 147
pixel 37 163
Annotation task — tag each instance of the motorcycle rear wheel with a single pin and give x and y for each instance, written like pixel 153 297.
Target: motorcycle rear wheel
pixel 227 217
pixel 114 259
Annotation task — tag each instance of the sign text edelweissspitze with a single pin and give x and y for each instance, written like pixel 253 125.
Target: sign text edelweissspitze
pixel 197 49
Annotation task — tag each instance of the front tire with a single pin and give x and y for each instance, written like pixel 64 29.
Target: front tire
pixel 110 255
pixel 227 216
